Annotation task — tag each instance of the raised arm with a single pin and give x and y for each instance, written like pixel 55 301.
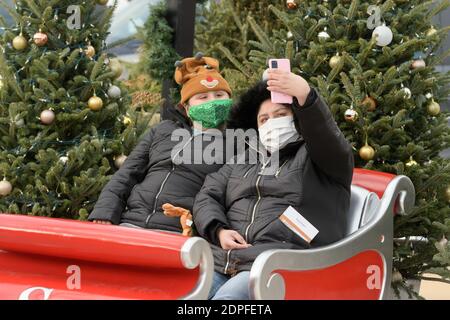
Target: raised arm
pixel 325 142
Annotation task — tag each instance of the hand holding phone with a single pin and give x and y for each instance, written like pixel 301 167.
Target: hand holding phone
pixel 285 65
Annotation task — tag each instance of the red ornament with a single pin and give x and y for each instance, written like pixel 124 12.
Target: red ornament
pixel 40 39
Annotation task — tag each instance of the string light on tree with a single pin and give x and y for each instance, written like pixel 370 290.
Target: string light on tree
pixel 102 2
pixel 411 162
pixel 431 32
pixel 127 121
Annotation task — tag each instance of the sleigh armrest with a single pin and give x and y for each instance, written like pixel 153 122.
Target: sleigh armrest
pixel 357 267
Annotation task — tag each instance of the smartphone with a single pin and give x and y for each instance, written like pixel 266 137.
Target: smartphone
pixel 285 65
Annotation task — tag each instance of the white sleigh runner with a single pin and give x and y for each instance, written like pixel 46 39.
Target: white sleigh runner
pixel 36 255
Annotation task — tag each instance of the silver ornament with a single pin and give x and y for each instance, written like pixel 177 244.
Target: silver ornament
pixel 114 92
pixel 406 93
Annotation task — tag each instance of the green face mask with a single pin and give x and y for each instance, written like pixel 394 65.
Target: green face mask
pixel 211 114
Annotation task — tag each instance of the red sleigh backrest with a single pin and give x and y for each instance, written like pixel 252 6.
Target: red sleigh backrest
pixel 64 259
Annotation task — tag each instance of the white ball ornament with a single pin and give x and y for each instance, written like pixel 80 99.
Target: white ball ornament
pixel 383 35
pixel 47 117
pixel 114 92
pixel 5 188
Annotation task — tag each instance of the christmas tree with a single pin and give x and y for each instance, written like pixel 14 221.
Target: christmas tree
pixel 374 63
pixel 64 122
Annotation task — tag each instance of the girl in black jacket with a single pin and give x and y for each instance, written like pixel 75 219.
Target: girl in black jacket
pixel 238 208
pixel 156 172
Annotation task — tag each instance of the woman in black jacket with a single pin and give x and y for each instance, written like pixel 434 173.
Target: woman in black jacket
pixel 161 169
pixel 238 208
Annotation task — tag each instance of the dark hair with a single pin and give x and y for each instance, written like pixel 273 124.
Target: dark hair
pixel 243 114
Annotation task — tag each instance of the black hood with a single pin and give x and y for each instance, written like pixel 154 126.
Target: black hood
pixel 243 114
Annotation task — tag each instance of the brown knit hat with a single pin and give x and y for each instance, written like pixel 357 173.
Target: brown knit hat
pixel 197 75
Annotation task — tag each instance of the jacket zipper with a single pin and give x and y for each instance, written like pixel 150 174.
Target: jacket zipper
pixel 279 169
pixel 254 208
pixel 159 192
pixel 247 172
pixel 164 182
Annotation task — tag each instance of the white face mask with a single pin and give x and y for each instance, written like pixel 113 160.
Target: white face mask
pixel 275 133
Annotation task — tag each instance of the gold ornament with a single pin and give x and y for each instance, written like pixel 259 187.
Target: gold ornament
pixel 90 51
pixel 95 103
pixel 351 115
pixel 126 121
pixel 447 193
pixel 370 103
pixel 116 67
pixel 417 64
pixel 367 152
pixel 291 4
pixel 431 32
pixel 118 161
pixel 335 60
pixel 433 108
pixel 411 162
pixel 5 188
pixel 19 42
pixel 40 39
pixel 47 117
pixel 102 2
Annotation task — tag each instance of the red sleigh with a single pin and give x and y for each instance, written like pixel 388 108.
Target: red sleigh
pixel 45 258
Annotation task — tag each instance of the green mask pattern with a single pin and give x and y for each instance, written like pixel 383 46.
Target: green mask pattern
pixel 211 114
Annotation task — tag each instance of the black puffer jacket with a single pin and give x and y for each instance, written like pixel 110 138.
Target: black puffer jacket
pixel 314 177
pixel 148 178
